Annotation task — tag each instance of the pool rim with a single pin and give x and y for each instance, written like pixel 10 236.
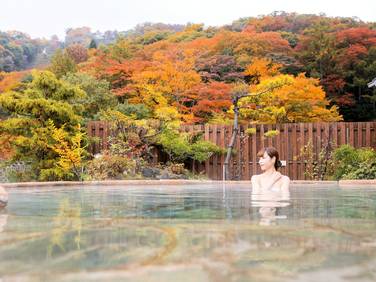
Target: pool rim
pixel 310 183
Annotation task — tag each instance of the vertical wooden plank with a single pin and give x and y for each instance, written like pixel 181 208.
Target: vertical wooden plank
pixel 191 129
pixel 294 145
pixel 287 147
pixel 102 135
pixel 315 143
pixel 360 134
pixel 238 155
pixel 267 127
pixel 342 133
pixel 302 144
pixel 326 136
pixel 218 142
pixel 335 134
pixel 202 165
pixel 105 136
pixel 351 134
pixel 306 140
pixel 262 137
pixel 254 152
pixel 207 162
pixel 271 139
pixel 93 134
pixel 223 145
pixel 368 134
pixel 247 175
pixel 281 146
pixel 98 130
pixel 98 133
pixel 278 139
pixel 228 138
pixel 319 137
pixel 214 157
pixel 89 130
pixel 310 133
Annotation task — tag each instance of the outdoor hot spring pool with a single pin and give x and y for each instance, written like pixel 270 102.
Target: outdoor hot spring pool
pixel 202 232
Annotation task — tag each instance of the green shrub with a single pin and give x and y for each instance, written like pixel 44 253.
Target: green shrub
pixel 181 146
pixel 351 163
pixel 366 170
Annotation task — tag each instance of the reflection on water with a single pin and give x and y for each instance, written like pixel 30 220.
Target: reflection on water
pixel 270 203
pixel 68 220
pixel 188 233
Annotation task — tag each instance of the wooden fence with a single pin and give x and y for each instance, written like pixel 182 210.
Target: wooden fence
pixel 291 139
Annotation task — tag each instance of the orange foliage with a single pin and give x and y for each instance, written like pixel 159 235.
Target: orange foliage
pixel 165 81
pixel 118 72
pixel 261 68
pixel 194 72
pixel 11 80
pixel 207 99
pixel 267 23
pixel 6 151
pixel 359 35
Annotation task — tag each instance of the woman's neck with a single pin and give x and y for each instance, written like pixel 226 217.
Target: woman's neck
pixel 270 171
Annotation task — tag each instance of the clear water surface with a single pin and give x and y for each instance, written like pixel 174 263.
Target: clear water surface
pixel 187 233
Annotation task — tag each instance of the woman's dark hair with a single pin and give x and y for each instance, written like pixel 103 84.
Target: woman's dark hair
pixel 272 152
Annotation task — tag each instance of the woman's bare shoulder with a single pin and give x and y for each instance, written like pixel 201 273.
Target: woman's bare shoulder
pixel 255 176
pixel 285 178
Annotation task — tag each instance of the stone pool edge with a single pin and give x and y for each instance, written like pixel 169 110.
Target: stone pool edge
pixel 340 183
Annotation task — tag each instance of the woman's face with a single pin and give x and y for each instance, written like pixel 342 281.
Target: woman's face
pixel 266 161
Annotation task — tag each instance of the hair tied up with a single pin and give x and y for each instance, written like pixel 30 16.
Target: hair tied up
pixel 279 163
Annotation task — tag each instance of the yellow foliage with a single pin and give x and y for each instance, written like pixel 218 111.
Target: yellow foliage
pixel 167 114
pixel 262 68
pixel 68 148
pixel 164 83
pixel 291 99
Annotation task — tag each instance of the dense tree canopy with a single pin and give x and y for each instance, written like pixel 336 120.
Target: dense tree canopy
pixel 193 68
pixel 148 81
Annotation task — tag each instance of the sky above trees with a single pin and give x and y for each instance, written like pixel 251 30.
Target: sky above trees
pixel 43 18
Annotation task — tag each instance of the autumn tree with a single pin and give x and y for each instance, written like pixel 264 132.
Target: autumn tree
pixel 219 68
pixel 62 63
pixel 44 108
pixel 165 82
pixel 80 35
pixel 208 100
pixel 297 99
pixel 98 95
pixel 77 52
